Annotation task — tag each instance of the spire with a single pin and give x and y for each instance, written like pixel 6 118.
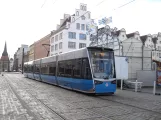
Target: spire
pixel 5 50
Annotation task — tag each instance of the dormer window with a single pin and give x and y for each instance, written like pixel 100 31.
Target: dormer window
pixel 81 7
pixel 77 13
pixel 85 8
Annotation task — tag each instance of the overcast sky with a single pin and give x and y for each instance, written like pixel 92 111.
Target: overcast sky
pixel 26 21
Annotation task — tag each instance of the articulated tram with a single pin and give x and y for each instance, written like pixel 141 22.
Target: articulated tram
pixel 88 70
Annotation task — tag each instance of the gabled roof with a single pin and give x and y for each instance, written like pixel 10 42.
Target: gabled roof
pixel 118 32
pixel 67 20
pixel 130 35
pixel 143 38
pixel 154 39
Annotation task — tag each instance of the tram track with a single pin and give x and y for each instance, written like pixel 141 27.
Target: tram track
pixel 96 97
pixel 89 110
pixel 42 103
pixel 144 109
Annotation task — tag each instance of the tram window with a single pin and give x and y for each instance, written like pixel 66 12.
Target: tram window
pixel 36 68
pixel 32 68
pixel 29 69
pixel 61 68
pixel 44 69
pixel 52 68
pixel 86 71
pixel 25 68
pixel 68 68
pixel 77 68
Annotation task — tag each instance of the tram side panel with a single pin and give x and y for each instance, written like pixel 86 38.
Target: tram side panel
pixel 48 72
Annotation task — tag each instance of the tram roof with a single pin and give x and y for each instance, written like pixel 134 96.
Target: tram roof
pixel 79 53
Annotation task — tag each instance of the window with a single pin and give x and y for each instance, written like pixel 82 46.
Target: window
pixel 56 47
pixel 85 8
pixel 25 68
pixel 78 26
pixel 61 36
pixel 30 68
pixel 52 40
pixel 77 13
pixel 81 7
pixel 36 68
pixel 72 45
pixel 159 54
pixel 60 45
pixel 56 38
pixel 82 45
pixel 86 71
pixel 77 68
pixel 87 28
pixel 72 35
pixel 82 36
pixel 89 15
pixel 68 68
pixel 83 17
pixel 52 48
pixel 61 68
pixel 82 27
pixel 73 19
pixel 160 42
pixel 48 68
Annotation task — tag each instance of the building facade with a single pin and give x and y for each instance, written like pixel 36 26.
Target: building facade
pixel 4 61
pixel 31 52
pixel 11 64
pixel 71 33
pixel 18 57
pixel 42 47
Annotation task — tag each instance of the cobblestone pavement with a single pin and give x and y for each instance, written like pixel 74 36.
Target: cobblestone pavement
pixel 26 99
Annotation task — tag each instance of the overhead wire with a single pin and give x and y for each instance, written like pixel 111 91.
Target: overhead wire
pixel 43 3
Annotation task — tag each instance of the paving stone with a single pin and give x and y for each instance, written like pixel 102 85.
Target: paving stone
pixel 29 96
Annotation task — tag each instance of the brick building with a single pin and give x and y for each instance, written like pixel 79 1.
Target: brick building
pixel 40 48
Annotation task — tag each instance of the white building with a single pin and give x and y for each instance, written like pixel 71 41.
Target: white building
pixel 156 53
pixel 11 64
pixel 19 54
pixel 71 33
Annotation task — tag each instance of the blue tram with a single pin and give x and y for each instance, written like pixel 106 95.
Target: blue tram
pixel 88 70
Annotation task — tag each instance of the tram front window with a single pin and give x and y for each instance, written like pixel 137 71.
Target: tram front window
pixel 102 68
pixel 102 63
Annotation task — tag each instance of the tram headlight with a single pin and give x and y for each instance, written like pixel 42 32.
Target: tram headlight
pixel 97 82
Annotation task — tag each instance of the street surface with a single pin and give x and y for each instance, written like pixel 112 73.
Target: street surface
pixel 25 99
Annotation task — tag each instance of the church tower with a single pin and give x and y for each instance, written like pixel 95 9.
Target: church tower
pixel 4 56
pixel 4 61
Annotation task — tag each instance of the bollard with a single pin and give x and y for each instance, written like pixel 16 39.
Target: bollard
pixel 121 83
pixel 154 88
pixel 136 86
